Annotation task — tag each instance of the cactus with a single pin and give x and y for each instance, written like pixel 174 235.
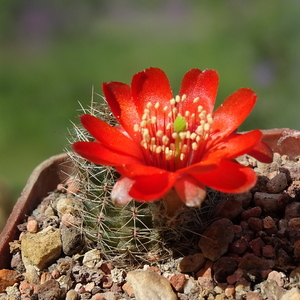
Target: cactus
pixel 137 232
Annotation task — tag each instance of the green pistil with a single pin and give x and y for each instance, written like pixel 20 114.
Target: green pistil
pixel 179 124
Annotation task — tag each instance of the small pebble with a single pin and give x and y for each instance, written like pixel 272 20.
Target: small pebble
pixel 253 212
pixel 268 251
pixel 191 263
pixel 70 220
pixel 268 222
pixel 277 184
pixel 128 289
pixel 255 224
pixel 230 291
pixel 45 276
pixel 277 276
pixel 292 210
pixel 256 246
pixel 236 276
pixel 294 223
pixel 27 289
pixel 239 246
pixel 55 274
pixel 72 295
pixel 107 282
pixel 91 258
pixel 32 226
pixel 268 202
pixel 178 281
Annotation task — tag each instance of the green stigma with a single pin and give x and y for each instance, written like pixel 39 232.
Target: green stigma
pixel 179 124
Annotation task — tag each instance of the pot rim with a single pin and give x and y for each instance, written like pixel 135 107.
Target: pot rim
pixel 56 168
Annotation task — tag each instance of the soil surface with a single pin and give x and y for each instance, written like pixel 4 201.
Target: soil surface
pixel 248 248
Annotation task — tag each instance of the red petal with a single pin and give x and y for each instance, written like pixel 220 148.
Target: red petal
pixel 153 187
pixel 200 84
pixel 120 192
pixel 151 85
pixel 99 154
pixel 190 191
pixel 262 152
pixel 136 170
pixel 234 110
pixel 229 177
pixel 110 137
pixel 234 145
pixel 201 167
pixel 119 98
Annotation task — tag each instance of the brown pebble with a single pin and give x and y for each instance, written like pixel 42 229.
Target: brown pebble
pixel 294 223
pixel 237 229
pixel 268 251
pixel 55 274
pixel 27 289
pixel 255 224
pixel 230 291
pixel 297 249
pixel 250 261
pixel 268 202
pixel 230 209
pixel 178 281
pixel 239 246
pixel 128 289
pixel 49 290
pixel 292 210
pixel 268 222
pixel 256 246
pixel 235 277
pixel 107 282
pixel 191 263
pixel 254 212
pixel 206 271
pixel 8 278
pixel 106 267
pixel 45 276
pixel 224 267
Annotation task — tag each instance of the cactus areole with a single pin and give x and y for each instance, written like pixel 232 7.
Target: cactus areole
pixel 167 143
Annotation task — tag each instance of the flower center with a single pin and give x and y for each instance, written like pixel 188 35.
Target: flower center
pixel 172 139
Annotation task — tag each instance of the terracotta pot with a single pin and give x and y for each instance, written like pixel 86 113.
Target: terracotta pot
pixel 54 170
pixel 283 141
pixel 43 180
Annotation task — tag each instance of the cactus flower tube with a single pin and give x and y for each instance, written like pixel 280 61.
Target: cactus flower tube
pixel 166 144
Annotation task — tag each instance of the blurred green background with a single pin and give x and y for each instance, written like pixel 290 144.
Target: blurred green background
pixel 53 52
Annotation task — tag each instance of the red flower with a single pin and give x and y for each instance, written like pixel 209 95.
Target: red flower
pixel 164 142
